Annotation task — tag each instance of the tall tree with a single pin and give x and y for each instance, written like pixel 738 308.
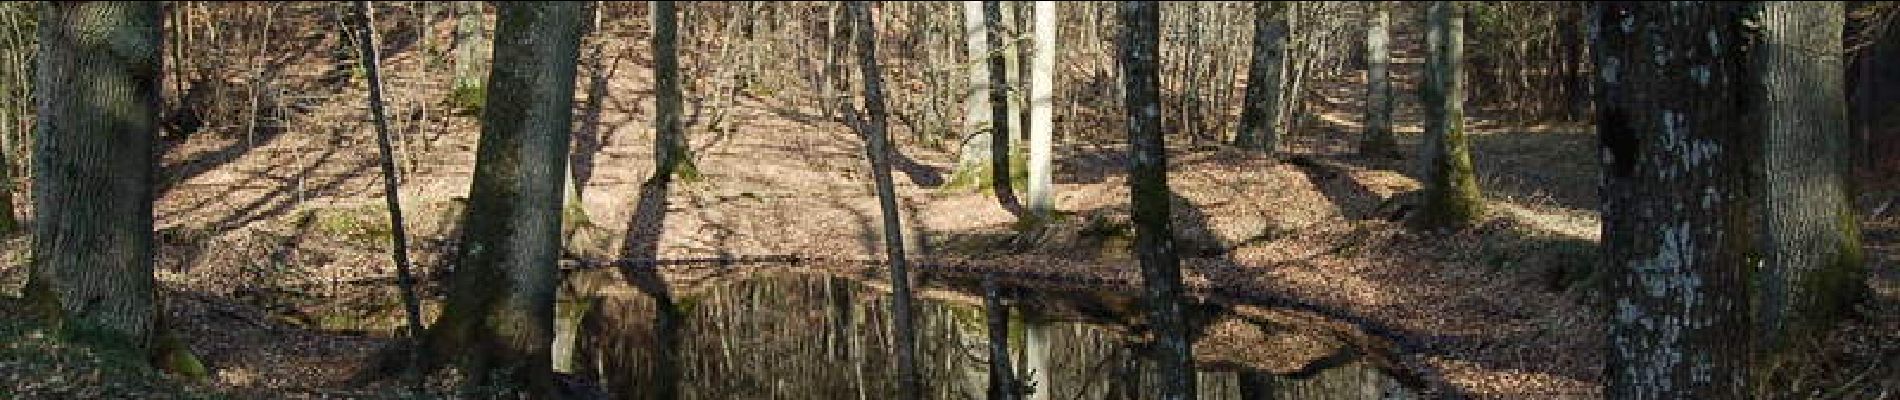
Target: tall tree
pixel 877 149
pixel 1677 208
pixel 499 318
pixel 1260 116
pixel 1812 271
pixel 1451 187
pixel 974 160
pixel 1148 183
pixel 999 61
pixel 670 155
pixel 1378 140
pixel 471 55
pixel 93 161
pixel 392 197
pixel 1042 76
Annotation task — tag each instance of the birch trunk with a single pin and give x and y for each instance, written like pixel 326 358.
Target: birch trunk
pixel 1042 78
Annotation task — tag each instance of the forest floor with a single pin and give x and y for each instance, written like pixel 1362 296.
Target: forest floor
pixel 273 260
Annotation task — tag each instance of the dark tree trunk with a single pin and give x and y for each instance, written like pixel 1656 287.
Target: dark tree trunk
pixel 670 155
pixel 1451 187
pixel 93 163
pixel 1378 140
pixel 1002 385
pixel 1676 144
pixel 399 237
pixel 1148 183
pixel 499 318
pixel 1000 108
pixel 877 144
pixel 1260 116
pixel 1812 269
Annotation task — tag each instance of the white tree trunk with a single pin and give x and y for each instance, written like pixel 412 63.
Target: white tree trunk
pixel 1042 108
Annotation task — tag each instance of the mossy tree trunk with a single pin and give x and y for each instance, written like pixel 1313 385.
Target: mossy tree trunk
pixel 974 160
pixel 671 156
pixel 93 169
pixel 1676 144
pixel 1260 116
pixel 1148 183
pixel 1812 271
pixel 1451 197
pixel 499 318
pixel 472 50
pixel 877 149
pixel 1377 140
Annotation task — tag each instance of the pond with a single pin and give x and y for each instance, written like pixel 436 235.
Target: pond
pixel 769 333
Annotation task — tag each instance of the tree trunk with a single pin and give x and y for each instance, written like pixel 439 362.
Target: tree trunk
pixel 1002 386
pixel 670 155
pixel 1812 272
pixel 392 199
pixel 1148 183
pixel 877 144
pixel 974 160
pixel 1042 78
pixel 499 317
pixel 1000 170
pixel 1451 188
pixel 1259 118
pixel 1378 140
pixel 93 161
pixel 1677 223
pixel 472 51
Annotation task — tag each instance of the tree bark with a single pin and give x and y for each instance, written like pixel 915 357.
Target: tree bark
pixel 472 51
pixel 1678 227
pixel 669 149
pixel 974 157
pixel 1451 188
pixel 1002 385
pixel 1000 169
pixel 93 169
pixel 1378 140
pixel 1260 116
pixel 1042 77
pixel 877 144
pixel 1812 271
pixel 499 317
pixel 1148 183
pixel 392 198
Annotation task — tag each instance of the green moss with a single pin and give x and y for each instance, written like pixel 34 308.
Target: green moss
pixel 978 178
pixel 468 99
pixel 366 224
pixel 176 357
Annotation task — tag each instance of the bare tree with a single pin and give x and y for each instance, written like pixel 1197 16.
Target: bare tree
pixel 1042 78
pixel 499 317
pixel 1260 116
pixel 671 156
pixel 399 237
pixel 877 149
pixel 1378 140
pixel 471 55
pixel 1451 187
pixel 1148 183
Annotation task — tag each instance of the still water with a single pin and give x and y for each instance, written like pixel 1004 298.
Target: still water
pixel 780 334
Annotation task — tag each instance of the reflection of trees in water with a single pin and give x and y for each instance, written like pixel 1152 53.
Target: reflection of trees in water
pixel 801 336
